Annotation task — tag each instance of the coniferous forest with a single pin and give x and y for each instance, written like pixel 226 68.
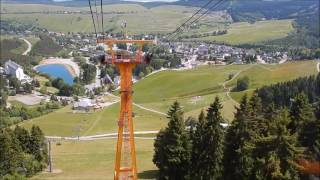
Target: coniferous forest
pixel 23 153
pixel 273 132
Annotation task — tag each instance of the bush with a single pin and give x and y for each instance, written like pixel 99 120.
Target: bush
pixel 242 84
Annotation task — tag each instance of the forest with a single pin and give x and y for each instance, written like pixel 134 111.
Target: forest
pixel 266 140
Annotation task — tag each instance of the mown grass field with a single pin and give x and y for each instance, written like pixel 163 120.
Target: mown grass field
pixel 83 160
pixel 243 32
pixel 66 123
pixel 139 19
pixel 270 74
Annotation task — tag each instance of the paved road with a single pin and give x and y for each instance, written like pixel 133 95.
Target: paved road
pixel 29 46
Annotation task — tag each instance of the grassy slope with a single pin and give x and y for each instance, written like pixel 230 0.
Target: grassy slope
pixel 241 33
pixel 13 44
pixel 159 91
pixel 66 123
pixel 95 160
pixel 271 74
pixel 139 18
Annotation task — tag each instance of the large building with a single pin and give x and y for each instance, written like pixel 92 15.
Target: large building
pixel 13 69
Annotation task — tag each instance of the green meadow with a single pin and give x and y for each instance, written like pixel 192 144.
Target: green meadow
pixel 243 32
pixel 194 89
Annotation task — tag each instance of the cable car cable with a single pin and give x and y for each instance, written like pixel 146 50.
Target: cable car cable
pixel 191 17
pixel 202 15
pixel 97 16
pixel 102 19
pixel 94 24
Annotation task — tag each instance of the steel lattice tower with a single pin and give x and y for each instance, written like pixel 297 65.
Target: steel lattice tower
pixel 125 162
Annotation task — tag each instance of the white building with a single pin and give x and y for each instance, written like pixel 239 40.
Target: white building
pixel 83 104
pixel 13 69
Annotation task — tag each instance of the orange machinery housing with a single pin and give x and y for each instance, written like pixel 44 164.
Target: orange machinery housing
pixel 125 163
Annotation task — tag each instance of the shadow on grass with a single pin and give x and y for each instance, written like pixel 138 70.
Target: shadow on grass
pixel 150 174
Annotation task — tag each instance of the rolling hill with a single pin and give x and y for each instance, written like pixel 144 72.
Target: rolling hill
pixel 194 89
pixel 95 158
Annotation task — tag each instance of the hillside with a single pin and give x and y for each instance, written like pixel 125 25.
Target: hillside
pixel 162 89
pixel 246 33
pixel 45 47
pixel 162 19
pixel 194 89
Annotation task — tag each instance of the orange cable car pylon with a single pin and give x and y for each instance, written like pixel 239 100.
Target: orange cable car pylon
pixel 125 162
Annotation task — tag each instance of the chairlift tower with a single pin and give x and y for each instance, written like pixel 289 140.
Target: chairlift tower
pixel 125 162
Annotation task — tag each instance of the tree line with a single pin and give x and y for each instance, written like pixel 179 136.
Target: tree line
pixel 23 153
pixel 282 94
pixel 262 142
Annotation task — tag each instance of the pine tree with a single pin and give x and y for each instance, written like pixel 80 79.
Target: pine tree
pixel 276 153
pixel 209 147
pixel 255 106
pixel 37 144
pixel 310 135
pixel 300 113
pixel 10 153
pixel 197 145
pixel 23 137
pixel 237 160
pixel 172 147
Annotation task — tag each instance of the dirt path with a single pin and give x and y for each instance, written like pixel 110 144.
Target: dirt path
pixel 139 106
pixel 148 109
pixel 224 84
pixel 29 46
pixel 318 67
pixel 102 136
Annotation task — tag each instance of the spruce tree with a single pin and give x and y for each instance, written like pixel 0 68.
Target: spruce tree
pixel 237 160
pixel 300 113
pixel 38 145
pixel 276 153
pixel 23 137
pixel 10 153
pixel 197 144
pixel 172 147
pixel 255 106
pixel 210 145
pixel 310 135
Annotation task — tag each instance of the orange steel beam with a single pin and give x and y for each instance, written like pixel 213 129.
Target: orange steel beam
pixel 125 143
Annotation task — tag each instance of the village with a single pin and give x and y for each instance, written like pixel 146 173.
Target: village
pixel 187 55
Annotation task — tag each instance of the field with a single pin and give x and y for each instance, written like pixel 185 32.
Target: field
pixel 279 73
pixel 139 19
pixel 13 45
pixel 194 89
pixel 243 32
pixel 66 123
pixel 83 160
pixel 161 19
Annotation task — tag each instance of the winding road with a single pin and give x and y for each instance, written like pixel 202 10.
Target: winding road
pixel 29 46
